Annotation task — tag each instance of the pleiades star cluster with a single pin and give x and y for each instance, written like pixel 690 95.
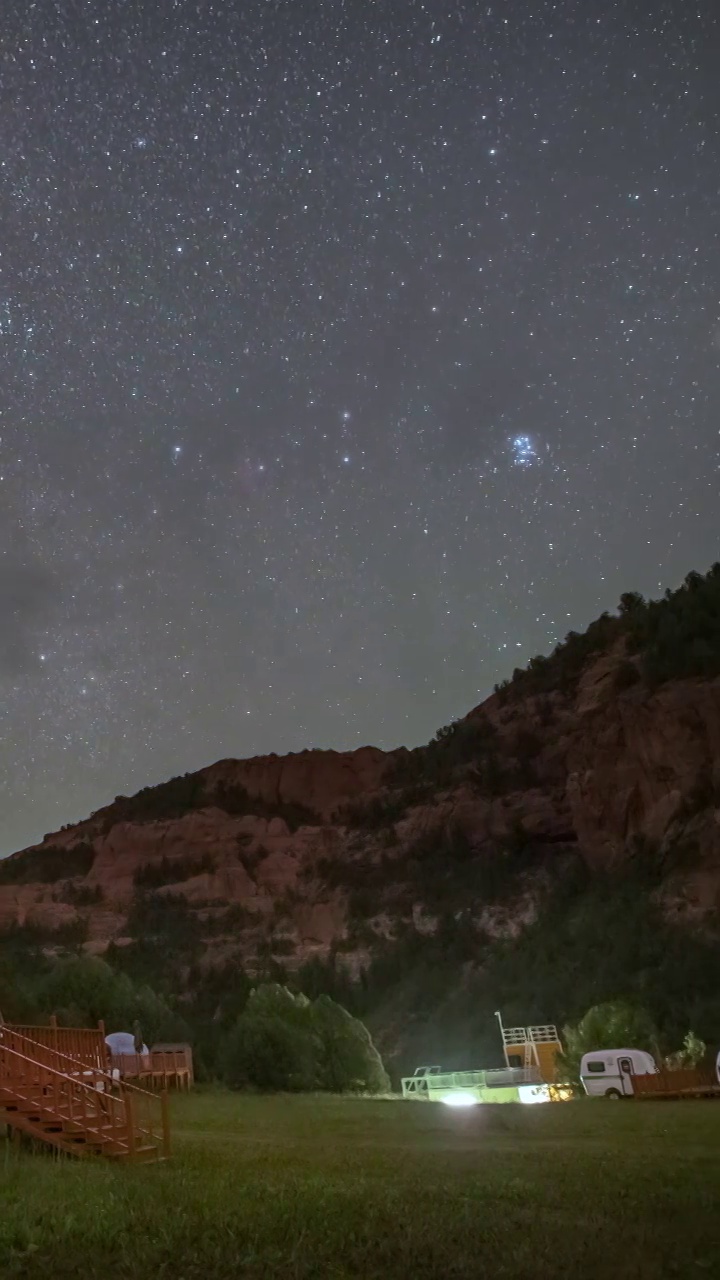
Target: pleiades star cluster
pixel 352 353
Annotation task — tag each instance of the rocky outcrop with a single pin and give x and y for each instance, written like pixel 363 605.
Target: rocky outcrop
pixel 318 780
pixel 640 763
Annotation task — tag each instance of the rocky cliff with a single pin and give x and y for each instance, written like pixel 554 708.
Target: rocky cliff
pixel 599 755
pixel 607 773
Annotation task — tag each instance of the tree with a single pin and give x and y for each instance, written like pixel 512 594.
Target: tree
pixel 349 1061
pixel 615 1025
pixel 272 1045
pixel 630 602
pixel 83 990
pixel 265 1052
pixel 691 1055
pixel 17 1001
pixel 284 1042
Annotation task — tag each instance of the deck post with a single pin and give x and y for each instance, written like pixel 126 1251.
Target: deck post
pixel 130 1121
pixel 498 1015
pixel 165 1110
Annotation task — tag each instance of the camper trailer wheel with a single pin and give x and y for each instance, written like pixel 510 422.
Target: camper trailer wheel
pixel 613 1094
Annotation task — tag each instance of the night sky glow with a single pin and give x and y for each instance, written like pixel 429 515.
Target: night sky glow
pixel 352 353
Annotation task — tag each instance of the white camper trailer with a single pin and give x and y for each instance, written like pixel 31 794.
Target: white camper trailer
pixel 608 1072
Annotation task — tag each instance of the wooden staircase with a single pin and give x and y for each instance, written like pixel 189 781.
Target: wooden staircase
pixel 67 1102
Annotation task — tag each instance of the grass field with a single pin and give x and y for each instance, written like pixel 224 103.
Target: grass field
pixel 323 1187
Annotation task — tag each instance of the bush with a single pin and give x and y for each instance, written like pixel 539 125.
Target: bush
pixel 454 746
pixel 382 810
pixel 47 864
pixel 152 875
pixel 83 990
pixel 676 637
pixel 283 1042
pixel 81 895
pixel 348 1060
pixel 167 800
pixel 690 1055
pixel 181 795
pixel 234 799
pixel 265 1052
pixel 168 922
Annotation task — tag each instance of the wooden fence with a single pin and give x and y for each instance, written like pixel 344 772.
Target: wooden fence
pixel 685 1083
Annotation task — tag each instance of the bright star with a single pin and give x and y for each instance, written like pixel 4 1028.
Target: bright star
pixel 523 451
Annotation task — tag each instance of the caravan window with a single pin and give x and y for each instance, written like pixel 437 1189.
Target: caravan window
pixel 596 1067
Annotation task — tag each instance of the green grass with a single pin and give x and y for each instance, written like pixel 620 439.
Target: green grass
pixel 318 1187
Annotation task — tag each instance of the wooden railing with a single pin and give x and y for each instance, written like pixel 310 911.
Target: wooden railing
pixel 684 1083
pixel 67 1086
pixel 85 1044
pixel 159 1066
pixel 69 1098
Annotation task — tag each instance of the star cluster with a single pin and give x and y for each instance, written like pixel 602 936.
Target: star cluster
pixel 352 353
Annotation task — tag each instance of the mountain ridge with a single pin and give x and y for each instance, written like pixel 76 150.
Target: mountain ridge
pixel 603 757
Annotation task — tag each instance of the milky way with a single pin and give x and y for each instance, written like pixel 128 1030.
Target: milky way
pixel 352 353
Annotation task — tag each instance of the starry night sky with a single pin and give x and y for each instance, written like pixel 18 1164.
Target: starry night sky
pixel 352 353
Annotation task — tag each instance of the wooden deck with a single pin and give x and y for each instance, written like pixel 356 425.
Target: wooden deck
pixel 158 1069
pixel 170 1068
pixel 64 1101
pixel 86 1044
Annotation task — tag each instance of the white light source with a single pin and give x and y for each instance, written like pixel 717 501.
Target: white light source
pixel 534 1093
pixel 459 1099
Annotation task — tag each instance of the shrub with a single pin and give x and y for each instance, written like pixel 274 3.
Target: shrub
pixel 282 1041
pixel 181 795
pixel 152 875
pixel 81 895
pixel 454 746
pixel 167 800
pixel 47 864
pixel 348 1059
pixel 83 990
pixel 264 1052
pixel 234 799
pixel 168 922
pixel 691 1055
pixel 381 810
pixel 676 637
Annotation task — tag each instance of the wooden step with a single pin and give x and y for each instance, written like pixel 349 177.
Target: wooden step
pixel 51 1115
pixel 80 1144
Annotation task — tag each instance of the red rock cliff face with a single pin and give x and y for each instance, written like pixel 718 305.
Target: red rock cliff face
pixel 639 761
pixel 320 780
pixel 602 770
